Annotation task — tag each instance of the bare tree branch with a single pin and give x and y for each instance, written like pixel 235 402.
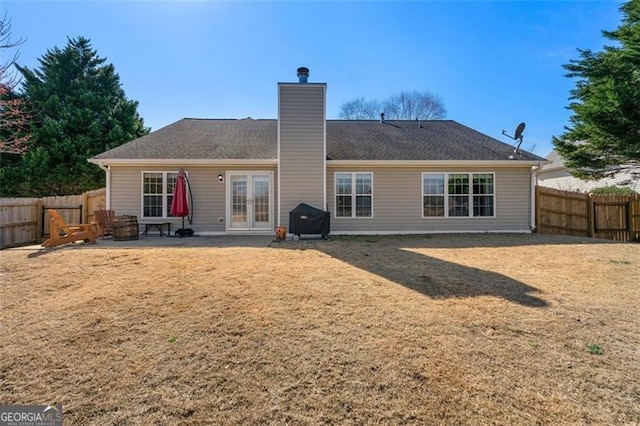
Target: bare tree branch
pixel 406 105
pixel 360 109
pixel 414 105
pixel 14 119
pixel 7 76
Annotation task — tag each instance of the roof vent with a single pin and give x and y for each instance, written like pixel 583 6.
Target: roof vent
pixel 303 74
pixel 382 117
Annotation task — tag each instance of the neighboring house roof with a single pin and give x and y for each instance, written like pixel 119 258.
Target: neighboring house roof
pixel 556 175
pixel 249 139
pixel 556 162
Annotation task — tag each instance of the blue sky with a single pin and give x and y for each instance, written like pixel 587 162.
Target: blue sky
pixel 495 63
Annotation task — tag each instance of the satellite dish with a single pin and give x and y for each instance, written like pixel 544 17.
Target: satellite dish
pixel 516 137
pixel 519 130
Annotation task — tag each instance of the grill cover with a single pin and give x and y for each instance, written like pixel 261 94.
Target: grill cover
pixel 305 219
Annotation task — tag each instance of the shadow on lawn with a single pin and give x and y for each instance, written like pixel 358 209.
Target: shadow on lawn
pixel 392 258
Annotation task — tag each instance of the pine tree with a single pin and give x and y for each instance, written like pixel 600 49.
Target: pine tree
pixel 79 109
pixel 605 126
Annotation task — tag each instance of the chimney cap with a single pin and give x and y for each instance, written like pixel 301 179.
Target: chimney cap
pixel 303 74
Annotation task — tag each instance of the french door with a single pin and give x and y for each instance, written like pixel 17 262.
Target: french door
pixel 250 200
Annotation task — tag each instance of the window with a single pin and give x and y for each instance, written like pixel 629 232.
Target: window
pixel 458 184
pixel 354 194
pixel 483 198
pixel 464 195
pixel 157 193
pixel 433 194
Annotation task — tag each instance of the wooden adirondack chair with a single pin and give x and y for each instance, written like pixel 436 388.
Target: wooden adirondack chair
pixel 61 233
pixel 104 221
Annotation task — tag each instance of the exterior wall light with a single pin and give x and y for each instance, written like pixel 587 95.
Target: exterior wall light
pixel 220 178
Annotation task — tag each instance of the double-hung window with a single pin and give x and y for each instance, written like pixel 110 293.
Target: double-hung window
pixel 157 193
pixel 458 195
pixel 458 191
pixel 354 194
pixel 433 194
pixel 483 195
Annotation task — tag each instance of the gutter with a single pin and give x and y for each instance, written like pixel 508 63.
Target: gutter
pixel 181 162
pixel 432 163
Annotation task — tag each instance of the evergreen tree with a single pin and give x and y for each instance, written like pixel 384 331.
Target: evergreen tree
pixel 78 109
pixel 605 125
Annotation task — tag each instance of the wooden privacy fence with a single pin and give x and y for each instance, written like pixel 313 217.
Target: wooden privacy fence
pixel 611 217
pixel 25 220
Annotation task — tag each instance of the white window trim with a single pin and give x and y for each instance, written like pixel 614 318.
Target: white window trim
pixel 446 195
pixel 164 194
pixel 353 195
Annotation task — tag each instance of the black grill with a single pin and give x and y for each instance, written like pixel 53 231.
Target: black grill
pixel 305 219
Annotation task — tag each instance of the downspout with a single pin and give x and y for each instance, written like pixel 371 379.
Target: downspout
pixel 534 182
pixel 107 196
pixel 278 223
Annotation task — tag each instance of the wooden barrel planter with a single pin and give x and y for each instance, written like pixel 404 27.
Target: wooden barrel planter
pixel 125 228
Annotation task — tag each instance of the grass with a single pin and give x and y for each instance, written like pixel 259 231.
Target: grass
pixel 473 329
pixel 595 349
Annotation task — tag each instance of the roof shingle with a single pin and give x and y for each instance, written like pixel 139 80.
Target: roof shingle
pixel 249 139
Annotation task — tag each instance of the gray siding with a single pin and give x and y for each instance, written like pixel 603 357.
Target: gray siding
pixel 209 196
pixel 397 202
pixel 397 199
pixel 301 146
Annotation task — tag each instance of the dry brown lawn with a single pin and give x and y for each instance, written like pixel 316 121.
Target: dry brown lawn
pixel 466 329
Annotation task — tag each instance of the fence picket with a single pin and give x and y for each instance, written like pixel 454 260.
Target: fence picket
pixel 21 219
pixel 613 217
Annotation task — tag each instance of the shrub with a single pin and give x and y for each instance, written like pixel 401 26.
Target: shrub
pixel 613 190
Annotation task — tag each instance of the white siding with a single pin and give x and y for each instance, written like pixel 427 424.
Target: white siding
pixel 301 146
pixel 397 202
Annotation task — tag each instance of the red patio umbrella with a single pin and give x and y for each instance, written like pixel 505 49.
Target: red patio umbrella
pixel 179 204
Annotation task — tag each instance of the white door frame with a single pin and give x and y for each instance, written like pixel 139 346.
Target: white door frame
pixel 249 174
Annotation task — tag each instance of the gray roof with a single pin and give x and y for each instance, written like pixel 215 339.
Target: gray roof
pixel 555 161
pixel 191 138
pixel 249 139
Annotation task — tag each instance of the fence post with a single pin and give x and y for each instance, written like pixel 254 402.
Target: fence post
pixel 591 217
pixel 630 218
pixel 39 225
pixel 85 208
pixel 537 207
pixel 634 206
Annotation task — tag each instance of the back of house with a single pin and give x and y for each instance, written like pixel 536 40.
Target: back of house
pixel 373 176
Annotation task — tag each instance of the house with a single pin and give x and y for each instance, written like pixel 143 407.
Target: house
pixel 556 175
pixel 374 176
